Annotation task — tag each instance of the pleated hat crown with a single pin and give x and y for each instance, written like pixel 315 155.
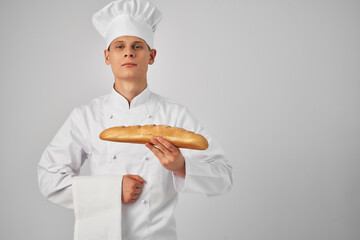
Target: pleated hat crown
pixel 127 17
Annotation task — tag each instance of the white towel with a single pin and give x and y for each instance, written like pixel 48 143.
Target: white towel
pixel 97 207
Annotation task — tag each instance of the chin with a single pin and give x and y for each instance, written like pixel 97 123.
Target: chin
pixel 128 75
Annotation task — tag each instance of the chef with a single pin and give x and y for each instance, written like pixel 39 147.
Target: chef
pixel 148 176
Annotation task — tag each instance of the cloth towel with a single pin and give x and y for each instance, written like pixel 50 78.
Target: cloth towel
pixel 97 207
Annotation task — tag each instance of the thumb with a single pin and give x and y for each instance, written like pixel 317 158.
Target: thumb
pixel 137 178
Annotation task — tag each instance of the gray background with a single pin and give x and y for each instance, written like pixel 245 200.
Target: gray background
pixel 275 82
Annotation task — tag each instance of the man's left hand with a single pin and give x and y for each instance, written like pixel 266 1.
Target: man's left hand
pixel 169 155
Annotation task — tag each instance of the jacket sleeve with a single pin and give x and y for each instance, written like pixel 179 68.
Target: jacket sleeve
pixel 61 160
pixel 207 171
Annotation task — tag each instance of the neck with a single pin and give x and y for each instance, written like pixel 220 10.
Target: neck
pixel 129 89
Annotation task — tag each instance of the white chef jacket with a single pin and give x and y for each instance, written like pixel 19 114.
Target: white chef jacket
pixel 151 216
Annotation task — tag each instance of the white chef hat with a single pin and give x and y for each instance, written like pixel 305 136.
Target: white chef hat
pixel 127 17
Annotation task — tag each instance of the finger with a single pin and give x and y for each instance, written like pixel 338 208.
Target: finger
pixel 155 150
pixel 135 196
pixel 137 178
pixel 151 147
pixel 171 147
pixel 137 191
pixel 131 201
pixel 138 185
pixel 160 145
pixel 128 199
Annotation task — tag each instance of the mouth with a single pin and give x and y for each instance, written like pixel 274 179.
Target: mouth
pixel 129 64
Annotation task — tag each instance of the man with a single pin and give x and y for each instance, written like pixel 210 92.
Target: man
pixel 151 175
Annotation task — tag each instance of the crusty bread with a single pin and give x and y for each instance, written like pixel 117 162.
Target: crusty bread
pixel 142 134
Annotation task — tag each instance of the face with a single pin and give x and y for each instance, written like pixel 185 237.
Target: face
pixel 129 57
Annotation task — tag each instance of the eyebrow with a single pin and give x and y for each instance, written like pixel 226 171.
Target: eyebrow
pixel 132 42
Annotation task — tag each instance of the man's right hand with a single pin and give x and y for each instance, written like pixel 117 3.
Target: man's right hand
pixel 131 188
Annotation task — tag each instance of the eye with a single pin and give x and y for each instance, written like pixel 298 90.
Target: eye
pixel 137 47
pixel 119 46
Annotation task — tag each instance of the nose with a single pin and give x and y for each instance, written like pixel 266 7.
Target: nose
pixel 128 53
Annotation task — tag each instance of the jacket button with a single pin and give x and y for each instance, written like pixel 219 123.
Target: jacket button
pixel 146 158
pixel 114 157
pixel 143 201
pixel 148 116
pixel 111 116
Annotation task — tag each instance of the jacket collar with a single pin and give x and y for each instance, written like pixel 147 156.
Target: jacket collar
pixel 118 100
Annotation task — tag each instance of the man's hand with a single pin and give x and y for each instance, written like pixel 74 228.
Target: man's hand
pixel 168 154
pixel 131 188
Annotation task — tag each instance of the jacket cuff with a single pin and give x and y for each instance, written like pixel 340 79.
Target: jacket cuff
pixel 181 183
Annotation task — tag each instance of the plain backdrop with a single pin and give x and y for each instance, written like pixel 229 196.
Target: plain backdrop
pixel 276 83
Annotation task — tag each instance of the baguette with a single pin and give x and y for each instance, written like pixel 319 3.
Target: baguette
pixel 179 137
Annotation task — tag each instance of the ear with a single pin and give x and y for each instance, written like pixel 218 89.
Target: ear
pixel 152 56
pixel 107 55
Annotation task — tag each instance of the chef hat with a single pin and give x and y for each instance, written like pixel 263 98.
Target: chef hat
pixel 127 17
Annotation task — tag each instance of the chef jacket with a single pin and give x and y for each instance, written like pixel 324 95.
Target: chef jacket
pixel 151 216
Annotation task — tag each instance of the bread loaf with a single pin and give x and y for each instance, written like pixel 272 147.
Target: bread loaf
pixel 179 137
